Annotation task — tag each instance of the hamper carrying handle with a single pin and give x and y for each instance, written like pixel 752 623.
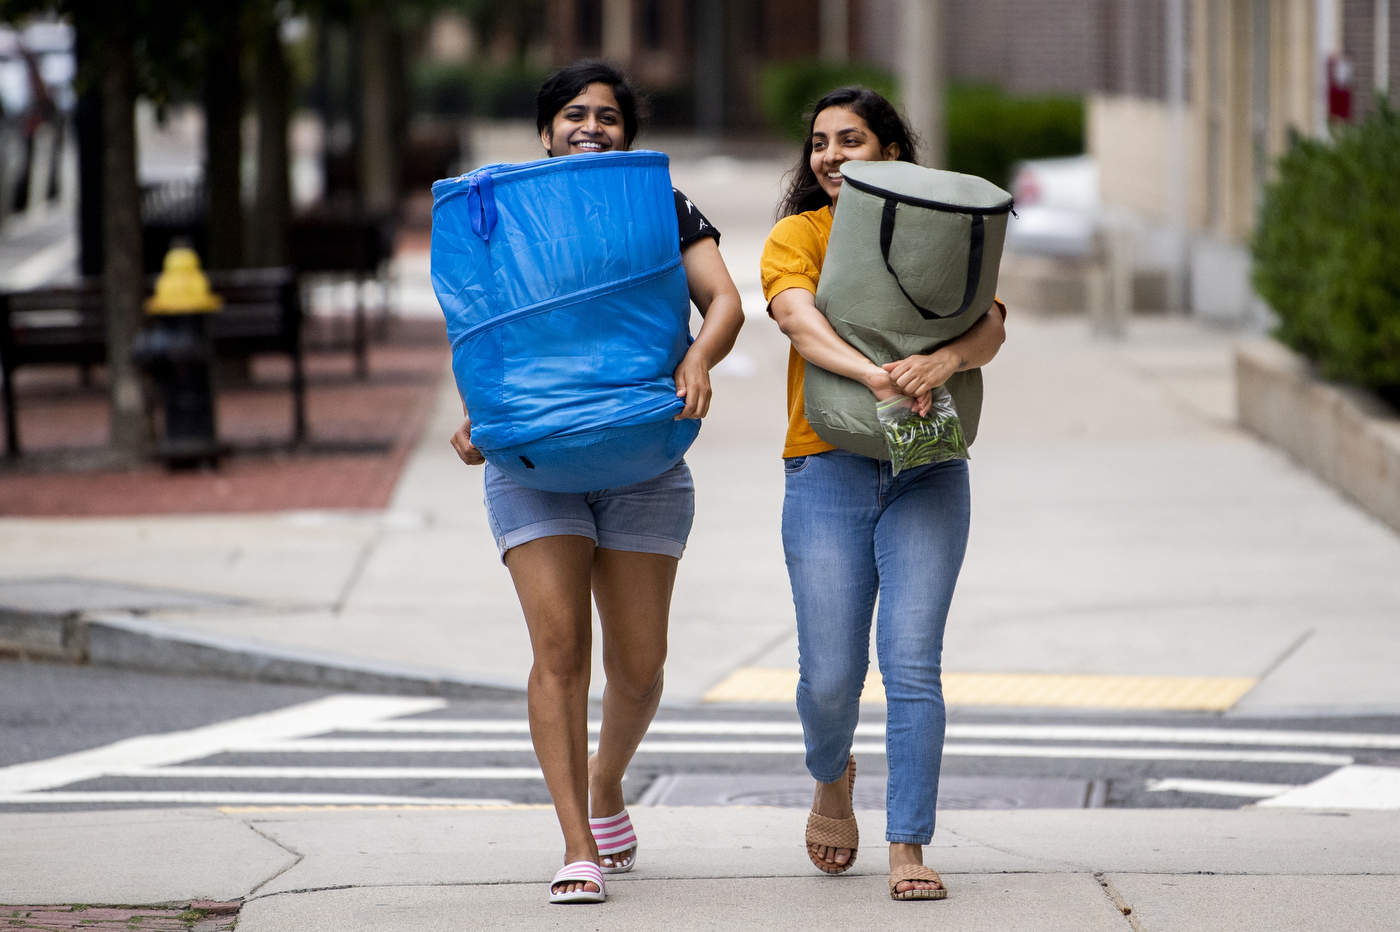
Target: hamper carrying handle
pixel 974 260
pixel 481 204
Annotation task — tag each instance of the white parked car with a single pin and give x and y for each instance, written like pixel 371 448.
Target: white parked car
pixel 1057 207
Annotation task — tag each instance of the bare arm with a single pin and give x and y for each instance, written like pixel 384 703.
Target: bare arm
pixel 795 310
pixel 974 349
pixel 714 294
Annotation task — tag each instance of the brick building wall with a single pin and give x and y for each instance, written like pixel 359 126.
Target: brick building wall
pixel 1036 46
pixel 1358 44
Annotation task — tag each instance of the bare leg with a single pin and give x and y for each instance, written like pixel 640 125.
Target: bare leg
pixel 633 591
pixel 833 800
pixel 551 577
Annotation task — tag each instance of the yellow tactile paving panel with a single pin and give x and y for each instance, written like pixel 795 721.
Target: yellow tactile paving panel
pixel 1044 690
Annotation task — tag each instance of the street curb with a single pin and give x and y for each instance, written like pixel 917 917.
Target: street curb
pixel 130 642
pixel 1343 435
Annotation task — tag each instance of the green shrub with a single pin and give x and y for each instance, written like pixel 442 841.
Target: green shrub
pixel 1325 252
pixel 789 90
pixel 458 89
pixel 989 130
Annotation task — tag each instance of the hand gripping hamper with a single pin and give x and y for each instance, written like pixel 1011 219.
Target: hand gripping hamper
pixel 911 264
pixel 568 312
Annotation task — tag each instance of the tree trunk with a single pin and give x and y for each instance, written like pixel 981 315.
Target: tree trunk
pixel 122 283
pixel 378 177
pixel 273 210
pixel 223 138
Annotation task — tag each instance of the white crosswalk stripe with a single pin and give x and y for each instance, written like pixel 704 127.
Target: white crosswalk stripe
pixel 340 726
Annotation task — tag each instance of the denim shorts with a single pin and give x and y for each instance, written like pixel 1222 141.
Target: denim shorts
pixel 646 517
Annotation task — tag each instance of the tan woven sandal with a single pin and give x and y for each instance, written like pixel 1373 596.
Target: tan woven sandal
pixel 913 872
pixel 835 833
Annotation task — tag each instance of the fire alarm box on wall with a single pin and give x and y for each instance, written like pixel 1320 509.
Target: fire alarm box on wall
pixel 1341 74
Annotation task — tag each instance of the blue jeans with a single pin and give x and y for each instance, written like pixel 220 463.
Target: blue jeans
pixel 852 530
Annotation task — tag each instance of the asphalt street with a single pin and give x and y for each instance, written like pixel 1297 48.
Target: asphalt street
pixel 230 743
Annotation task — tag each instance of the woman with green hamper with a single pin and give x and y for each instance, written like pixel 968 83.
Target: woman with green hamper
pixel 852 529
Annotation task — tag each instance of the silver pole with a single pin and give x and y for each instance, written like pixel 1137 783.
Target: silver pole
pixel 1177 292
pixel 1382 73
pixel 921 75
pixel 1325 27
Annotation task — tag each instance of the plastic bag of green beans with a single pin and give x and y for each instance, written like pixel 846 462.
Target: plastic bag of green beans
pixel 916 440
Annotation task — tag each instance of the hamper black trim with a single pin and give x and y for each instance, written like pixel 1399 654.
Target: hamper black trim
pixel 974 260
pixel 930 205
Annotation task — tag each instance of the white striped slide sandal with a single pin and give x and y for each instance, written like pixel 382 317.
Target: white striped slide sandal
pixel 586 871
pixel 614 835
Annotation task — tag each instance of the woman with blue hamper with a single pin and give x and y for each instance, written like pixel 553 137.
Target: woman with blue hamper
pixel 853 529
pixel 619 546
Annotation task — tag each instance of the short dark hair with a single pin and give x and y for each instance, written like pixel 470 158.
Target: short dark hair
pixel 571 80
pixel 804 192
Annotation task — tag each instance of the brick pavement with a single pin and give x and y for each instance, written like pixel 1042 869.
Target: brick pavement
pixel 360 434
pixel 199 916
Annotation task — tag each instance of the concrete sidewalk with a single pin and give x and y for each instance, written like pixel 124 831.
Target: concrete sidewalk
pixel 1123 526
pixel 1152 871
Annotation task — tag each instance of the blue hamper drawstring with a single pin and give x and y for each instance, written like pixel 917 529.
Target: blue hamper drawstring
pixel 481 204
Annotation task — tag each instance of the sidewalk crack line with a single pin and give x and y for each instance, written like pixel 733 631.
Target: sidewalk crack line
pixel 1119 903
pixel 299 857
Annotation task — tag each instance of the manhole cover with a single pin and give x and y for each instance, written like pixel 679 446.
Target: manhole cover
pixel 788 792
pixel 61 595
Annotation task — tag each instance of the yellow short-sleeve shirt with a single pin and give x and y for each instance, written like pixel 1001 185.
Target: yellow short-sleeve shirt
pixel 792 258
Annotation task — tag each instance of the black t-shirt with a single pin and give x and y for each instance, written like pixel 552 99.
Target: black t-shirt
pixel 693 224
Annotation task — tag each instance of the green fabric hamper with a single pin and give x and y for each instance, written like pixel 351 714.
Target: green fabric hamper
pixel 911 264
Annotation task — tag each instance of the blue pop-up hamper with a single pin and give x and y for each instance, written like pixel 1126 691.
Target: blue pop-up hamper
pixel 568 312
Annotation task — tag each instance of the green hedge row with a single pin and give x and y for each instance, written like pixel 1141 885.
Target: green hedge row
pixel 988 129
pixel 1327 252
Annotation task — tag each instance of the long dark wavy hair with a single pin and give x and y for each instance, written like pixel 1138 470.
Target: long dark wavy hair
pixel 804 193
pixel 569 82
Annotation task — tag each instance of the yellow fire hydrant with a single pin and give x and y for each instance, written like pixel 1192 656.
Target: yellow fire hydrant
pixel 175 347
pixel 182 287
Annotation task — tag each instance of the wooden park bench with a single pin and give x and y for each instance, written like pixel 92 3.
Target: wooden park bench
pixel 261 314
pixel 340 245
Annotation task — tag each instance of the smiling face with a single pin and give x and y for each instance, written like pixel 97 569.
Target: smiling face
pixel 591 122
pixel 839 136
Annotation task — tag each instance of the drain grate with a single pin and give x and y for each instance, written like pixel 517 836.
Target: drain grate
pixel 789 792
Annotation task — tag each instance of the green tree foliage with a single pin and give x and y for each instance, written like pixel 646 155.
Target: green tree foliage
pixel 163 34
pixel 1327 251
pixel 990 130
pixel 478 88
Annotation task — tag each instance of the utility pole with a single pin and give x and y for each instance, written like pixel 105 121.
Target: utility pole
pixel 922 76
pixel 835 30
pixel 1382 50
